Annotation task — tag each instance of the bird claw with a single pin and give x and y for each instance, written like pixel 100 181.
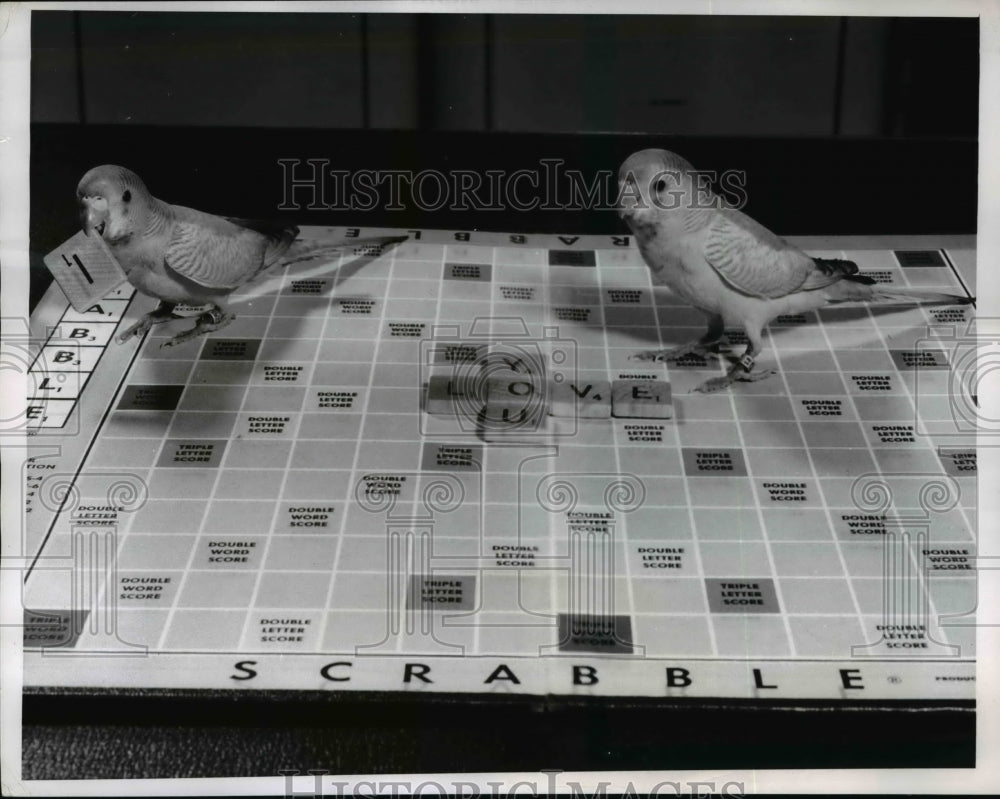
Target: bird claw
pixel 753 377
pixel 698 349
pixel 138 329
pixel 180 338
pixel 141 327
pixel 735 375
pixel 207 322
pixel 714 384
pixel 649 355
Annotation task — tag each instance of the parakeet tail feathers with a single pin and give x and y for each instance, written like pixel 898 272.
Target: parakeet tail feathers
pixel 313 250
pixel 860 288
pixel 319 251
pixel 922 297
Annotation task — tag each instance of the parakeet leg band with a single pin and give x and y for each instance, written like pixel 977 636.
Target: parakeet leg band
pixel 746 361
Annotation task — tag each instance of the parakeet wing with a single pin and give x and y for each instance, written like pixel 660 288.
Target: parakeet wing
pixel 279 235
pixel 221 253
pixel 753 260
pixel 278 232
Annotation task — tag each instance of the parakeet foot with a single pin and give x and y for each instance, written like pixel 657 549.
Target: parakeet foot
pixel 714 384
pixel 207 322
pixel 699 349
pixel 741 371
pixel 155 317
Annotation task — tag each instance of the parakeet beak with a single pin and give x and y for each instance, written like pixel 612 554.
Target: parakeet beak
pixel 626 212
pixel 626 200
pixel 92 219
pixel 622 211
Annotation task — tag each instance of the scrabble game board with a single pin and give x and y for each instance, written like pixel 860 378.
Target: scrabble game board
pixel 437 469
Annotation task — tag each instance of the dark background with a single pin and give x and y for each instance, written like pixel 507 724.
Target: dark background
pixel 843 126
pixel 665 75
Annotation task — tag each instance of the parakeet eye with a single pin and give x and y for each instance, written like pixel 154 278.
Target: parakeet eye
pixel 127 195
pixel 661 184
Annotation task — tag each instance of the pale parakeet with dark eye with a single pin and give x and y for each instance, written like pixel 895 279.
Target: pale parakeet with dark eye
pixel 734 270
pixel 180 255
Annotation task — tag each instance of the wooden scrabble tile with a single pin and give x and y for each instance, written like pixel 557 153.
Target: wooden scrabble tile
pixel 530 425
pixel 516 408
pixel 515 391
pixel 446 394
pixel 584 400
pixel 641 399
pixel 85 269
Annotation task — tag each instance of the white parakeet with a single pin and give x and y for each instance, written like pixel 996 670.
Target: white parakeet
pixel 734 270
pixel 180 255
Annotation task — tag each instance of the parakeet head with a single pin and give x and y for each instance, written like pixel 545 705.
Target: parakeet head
pixel 113 202
pixel 652 183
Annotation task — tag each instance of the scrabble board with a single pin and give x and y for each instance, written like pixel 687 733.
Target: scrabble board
pixel 439 469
